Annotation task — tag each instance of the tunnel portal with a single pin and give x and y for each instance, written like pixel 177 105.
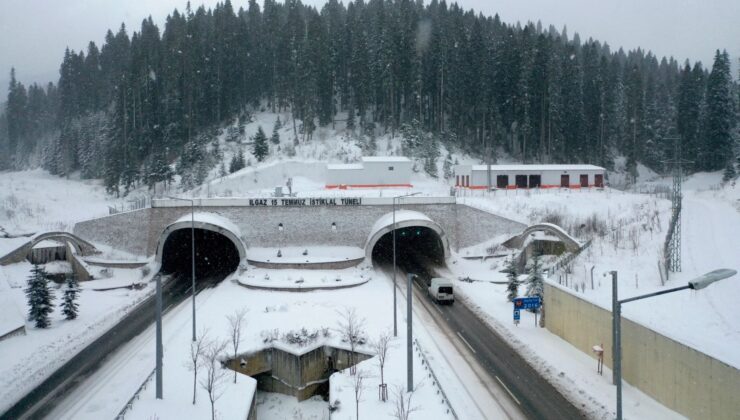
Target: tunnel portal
pixel 417 247
pixel 215 254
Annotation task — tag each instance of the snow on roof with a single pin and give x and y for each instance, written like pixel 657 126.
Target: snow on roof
pixel 401 216
pixel 338 166
pixel 48 243
pixel 538 168
pixel 213 219
pixel 385 159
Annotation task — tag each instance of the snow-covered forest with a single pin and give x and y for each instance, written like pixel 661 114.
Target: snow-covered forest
pixel 146 102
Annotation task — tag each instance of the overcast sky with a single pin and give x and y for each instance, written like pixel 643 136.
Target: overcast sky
pixel 34 33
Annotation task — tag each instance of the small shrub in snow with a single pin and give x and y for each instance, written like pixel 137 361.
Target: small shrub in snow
pixel 268 336
pixel 302 337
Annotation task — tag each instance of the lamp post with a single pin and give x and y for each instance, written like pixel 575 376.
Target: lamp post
pixel 695 284
pixel 409 352
pixel 395 315
pixel 159 352
pixel 192 250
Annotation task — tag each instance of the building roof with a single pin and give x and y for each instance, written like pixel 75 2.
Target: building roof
pixel 385 159
pixel 337 166
pixel 538 168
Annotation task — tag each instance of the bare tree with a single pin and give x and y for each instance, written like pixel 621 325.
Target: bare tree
pixel 381 351
pixel 196 352
pixel 351 326
pixel 215 374
pixel 236 323
pixel 357 386
pixel 403 403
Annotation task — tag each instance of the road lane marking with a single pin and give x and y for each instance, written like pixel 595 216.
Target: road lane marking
pixel 466 342
pixel 438 310
pixel 508 390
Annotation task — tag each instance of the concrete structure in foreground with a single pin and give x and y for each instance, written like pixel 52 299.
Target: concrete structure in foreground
pixel 275 222
pixel 676 375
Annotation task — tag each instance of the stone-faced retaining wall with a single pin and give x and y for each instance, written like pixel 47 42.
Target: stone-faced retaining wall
pixel 678 376
pixel 138 232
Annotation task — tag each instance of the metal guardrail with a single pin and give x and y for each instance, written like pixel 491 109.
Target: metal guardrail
pixel 130 403
pixel 130 205
pixel 425 362
pixel 564 261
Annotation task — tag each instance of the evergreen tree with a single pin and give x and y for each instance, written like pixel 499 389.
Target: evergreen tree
pixel 39 297
pixel 260 145
pixel 535 281
pixel 275 138
pixel 512 276
pixel 719 119
pixel 447 166
pixel 729 174
pixel 69 305
pixel 237 162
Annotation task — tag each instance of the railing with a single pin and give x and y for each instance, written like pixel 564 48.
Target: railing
pixel 130 205
pixel 669 237
pixel 130 403
pixel 425 362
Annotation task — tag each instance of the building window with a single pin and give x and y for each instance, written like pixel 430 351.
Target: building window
pixel 334 226
pixel 390 168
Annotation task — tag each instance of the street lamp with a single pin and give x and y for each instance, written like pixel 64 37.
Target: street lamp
pixel 695 284
pixel 395 316
pixel 192 249
pixel 409 352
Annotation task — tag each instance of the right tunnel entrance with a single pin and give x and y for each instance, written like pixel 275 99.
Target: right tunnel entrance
pixel 418 250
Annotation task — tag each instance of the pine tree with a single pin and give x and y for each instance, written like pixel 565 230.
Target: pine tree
pixel 512 275
pixel 39 297
pixel 730 173
pixel 237 162
pixel 69 305
pixel 260 145
pixel 447 167
pixel 275 138
pixel 719 118
pixel 535 281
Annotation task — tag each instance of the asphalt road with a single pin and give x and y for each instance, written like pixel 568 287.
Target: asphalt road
pixel 39 402
pixel 535 397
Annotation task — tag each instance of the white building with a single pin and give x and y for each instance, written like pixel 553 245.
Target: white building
pixel 372 172
pixel 529 176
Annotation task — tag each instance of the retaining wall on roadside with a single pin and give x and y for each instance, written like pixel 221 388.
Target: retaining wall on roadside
pixel 678 376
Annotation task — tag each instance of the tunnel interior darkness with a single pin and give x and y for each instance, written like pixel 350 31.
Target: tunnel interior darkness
pixel 215 254
pixel 417 248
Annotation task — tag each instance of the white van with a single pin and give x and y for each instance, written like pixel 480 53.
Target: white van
pixel 440 289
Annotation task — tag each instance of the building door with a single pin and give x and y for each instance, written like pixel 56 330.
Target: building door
pixel 565 181
pixel 521 181
pixel 502 181
pixel 584 181
pixel 599 181
pixel 457 180
pixel 535 181
pixel 467 180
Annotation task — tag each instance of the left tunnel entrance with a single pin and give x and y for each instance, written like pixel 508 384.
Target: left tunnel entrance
pixel 215 254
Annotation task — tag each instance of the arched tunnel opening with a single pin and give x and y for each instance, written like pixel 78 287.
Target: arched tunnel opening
pixel 216 256
pixel 419 250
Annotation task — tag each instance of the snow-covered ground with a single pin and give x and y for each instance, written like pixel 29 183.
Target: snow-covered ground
pixel 269 315
pixel 26 360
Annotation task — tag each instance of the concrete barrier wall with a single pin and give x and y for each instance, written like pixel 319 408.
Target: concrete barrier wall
pixel 138 231
pixel 678 376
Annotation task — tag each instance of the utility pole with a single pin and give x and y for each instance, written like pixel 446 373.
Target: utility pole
pixel 159 352
pixel 673 251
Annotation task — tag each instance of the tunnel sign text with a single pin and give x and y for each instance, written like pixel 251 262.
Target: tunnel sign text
pixel 303 202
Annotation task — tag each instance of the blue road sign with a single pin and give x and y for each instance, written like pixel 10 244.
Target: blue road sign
pixel 527 303
pixel 516 315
